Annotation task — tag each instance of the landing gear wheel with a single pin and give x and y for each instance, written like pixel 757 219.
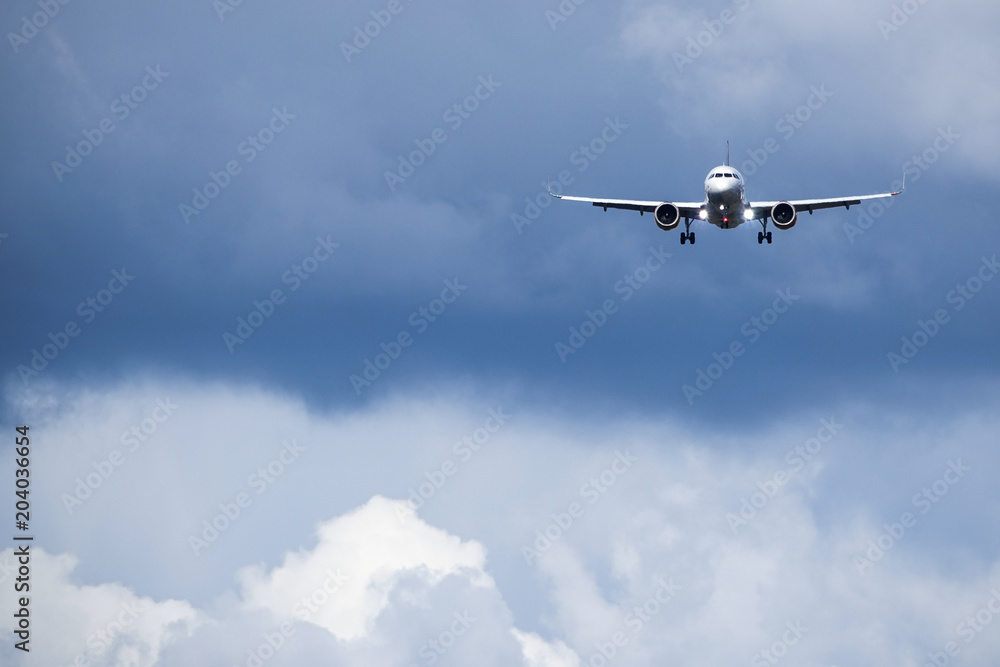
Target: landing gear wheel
pixel 763 234
pixel 687 234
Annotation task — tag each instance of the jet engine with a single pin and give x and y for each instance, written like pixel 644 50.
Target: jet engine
pixel 784 216
pixel 667 216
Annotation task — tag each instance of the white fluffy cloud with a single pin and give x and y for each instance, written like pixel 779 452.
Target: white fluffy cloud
pixel 653 568
pixel 344 583
pixel 105 624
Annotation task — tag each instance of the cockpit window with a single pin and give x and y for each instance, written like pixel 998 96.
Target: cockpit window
pixel 728 175
pixel 717 176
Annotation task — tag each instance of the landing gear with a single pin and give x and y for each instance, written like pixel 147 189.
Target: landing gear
pixel 761 236
pixel 687 235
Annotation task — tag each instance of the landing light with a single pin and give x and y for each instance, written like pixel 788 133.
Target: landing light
pixel 703 214
pixel 748 214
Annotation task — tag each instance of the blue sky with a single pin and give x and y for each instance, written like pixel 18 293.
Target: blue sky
pixel 454 283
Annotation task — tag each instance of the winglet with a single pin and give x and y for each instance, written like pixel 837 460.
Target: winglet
pixel 902 189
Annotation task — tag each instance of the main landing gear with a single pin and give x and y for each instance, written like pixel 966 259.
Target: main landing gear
pixel 687 235
pixel 764 234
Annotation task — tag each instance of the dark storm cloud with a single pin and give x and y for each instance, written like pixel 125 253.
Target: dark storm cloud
pixel 224 144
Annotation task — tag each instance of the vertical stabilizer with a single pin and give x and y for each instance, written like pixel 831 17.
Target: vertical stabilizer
pixel 727 153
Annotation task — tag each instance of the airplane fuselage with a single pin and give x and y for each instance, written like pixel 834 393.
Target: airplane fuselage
pixel 726 206
pixel 725 200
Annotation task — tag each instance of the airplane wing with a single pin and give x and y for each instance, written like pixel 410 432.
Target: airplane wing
pixel 687 209
pixel 811 205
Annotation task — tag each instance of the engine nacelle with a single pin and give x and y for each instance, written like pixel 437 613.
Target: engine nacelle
pixel 667 216
pixel 784 216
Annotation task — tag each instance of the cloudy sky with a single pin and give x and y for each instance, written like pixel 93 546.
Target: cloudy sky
pixel 316 373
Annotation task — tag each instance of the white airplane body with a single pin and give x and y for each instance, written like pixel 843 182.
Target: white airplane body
pixel 726 206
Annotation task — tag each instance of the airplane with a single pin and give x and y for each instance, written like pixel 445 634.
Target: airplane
pixel 726 207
